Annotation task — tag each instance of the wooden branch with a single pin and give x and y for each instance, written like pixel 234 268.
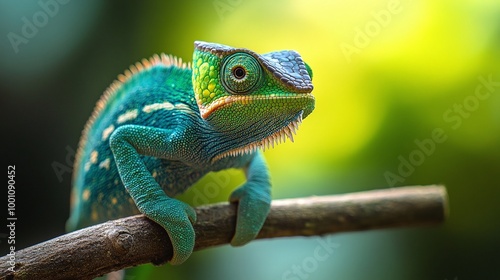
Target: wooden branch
pixel 131 241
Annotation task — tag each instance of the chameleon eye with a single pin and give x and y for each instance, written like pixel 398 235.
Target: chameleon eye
pixel 241 73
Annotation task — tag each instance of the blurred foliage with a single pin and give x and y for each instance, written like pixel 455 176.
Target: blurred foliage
pixel 387 74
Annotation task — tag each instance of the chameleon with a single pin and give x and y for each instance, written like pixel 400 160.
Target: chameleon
pixel 164 124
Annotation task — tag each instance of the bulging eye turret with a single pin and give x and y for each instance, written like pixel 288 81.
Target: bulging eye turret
pixel 241 73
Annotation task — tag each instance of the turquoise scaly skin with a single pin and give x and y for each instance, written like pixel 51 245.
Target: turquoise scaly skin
pixel 164 124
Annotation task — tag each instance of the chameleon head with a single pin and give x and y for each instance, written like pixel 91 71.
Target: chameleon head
pixel 260 97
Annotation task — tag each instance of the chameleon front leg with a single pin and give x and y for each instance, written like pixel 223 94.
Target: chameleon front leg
pixel 254 201
pixel 126 143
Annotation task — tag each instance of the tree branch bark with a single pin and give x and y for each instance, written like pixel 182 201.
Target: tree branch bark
pixel 100 249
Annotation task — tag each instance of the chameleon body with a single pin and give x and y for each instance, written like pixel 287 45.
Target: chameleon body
pixel 164 124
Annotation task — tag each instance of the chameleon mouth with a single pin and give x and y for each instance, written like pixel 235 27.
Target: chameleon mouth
pixel 268 142
pixel 206 111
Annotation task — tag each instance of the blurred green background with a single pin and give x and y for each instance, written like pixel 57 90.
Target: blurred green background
pixel 388 74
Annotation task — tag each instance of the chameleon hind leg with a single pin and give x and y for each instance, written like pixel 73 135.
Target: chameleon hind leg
pixel 127 143
pixel 254 201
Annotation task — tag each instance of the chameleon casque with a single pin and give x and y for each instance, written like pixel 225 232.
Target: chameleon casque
pixel 165 123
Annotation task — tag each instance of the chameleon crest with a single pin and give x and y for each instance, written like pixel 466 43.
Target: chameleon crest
pixel 164 124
